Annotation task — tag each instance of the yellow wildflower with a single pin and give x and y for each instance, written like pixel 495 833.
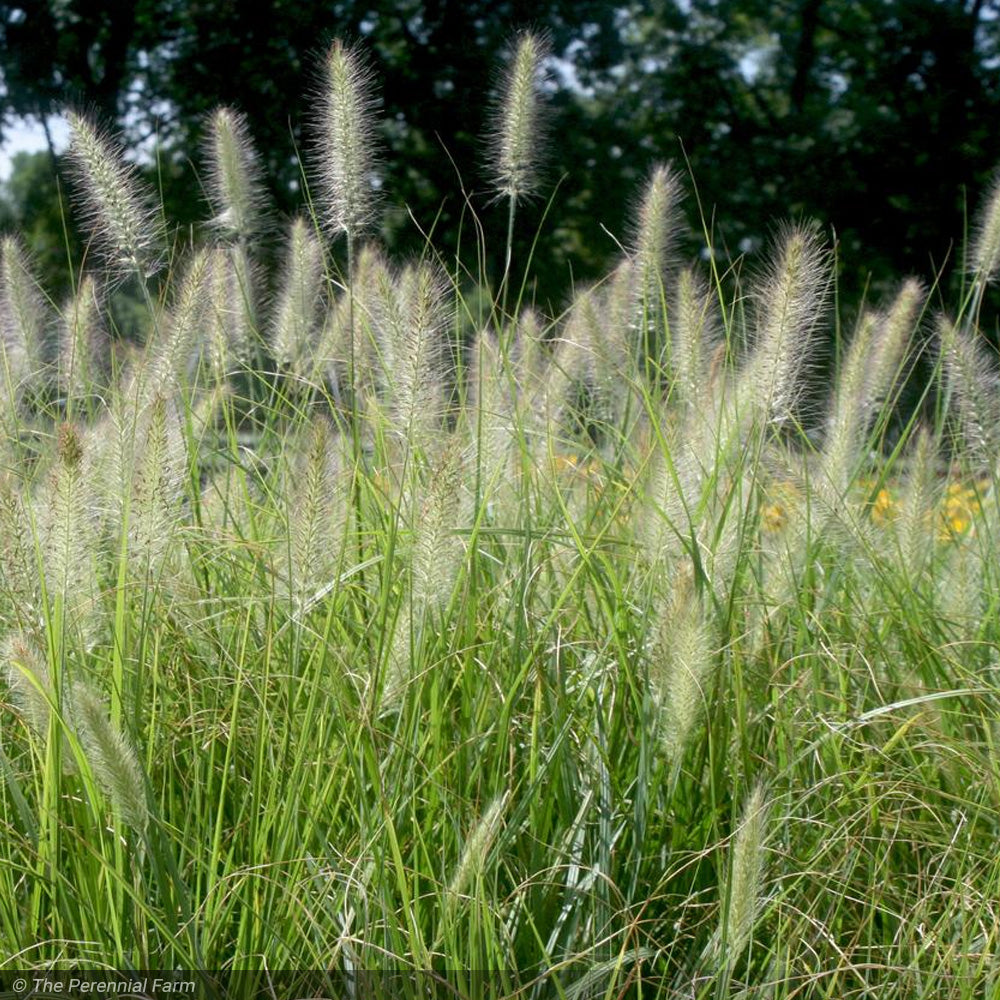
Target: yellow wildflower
pixel 774 516
pixel 961 505
pixel 780 504
pixel 884 507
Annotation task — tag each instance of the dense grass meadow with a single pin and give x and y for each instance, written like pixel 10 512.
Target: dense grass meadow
pixel 360 619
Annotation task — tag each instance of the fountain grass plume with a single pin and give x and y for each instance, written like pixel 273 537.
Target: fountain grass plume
pixel 23 318
pixel 112 759
pixel 681 660
pixel 66 515
pixel 655 231
pixel 344 144
pixel 791 297
pixel 19 583
pixel 844 440
pixel 116 206
pixel 317 510
pixel 415 318
pixel 491 414
pixel 172 356
pixel 83 357
pixel 517 120
pixel 897 333
pixel 914 527
pixel 516 135
pixel 437 548
pixel 350 333
pixel 972 382
pixel 27 675
pixel 295 319
pixel 231 289
pixel 746 878
pixel 476 850
pixel 873 364
pixel 697 335
pixel 156 463
pixel 235 178
pixel 984 250
pixel 435 563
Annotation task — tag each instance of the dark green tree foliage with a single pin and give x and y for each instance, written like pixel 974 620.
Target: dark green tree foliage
pixel 435 62
pixel 879 119
pixel 33 206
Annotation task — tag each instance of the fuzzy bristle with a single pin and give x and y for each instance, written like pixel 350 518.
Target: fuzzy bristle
pixel 656 226
pixel 973 383
pixel 111 757
pixel 746 877
pixel 235 181
pixel 515 142
pixel 22 319
pixel 791 298
pixel 122 225
pixel 296 314
pixel 345 140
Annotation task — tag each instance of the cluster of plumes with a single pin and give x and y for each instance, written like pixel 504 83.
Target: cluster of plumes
pixel 393 413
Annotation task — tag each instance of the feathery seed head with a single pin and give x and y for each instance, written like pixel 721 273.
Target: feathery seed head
pixel 491 412
pixel 415 317
pixel 69 445
pixel 123 226
pixel 746 876
pixel 848 422
pixel 655 226
pixel 696 334
pixel 655 232
pixel 873 363
pixel 171 358
pixel 22 316
pixel 984 256
pixel 154 457
pixel 65 513
pixel 973 383
pixel 477 848
pixel 437 550
pixel 235 182
pixel 914 526
pixel 317 514
pixel 682 658
pixel 18 566
pixel 28 679
pixel 345 140
pixel 297 310
pixel 894 337
pixel 518 120
pixel 111 757
pixel 82 342
pixel 790 300
pixel 530 353
pixel 231 286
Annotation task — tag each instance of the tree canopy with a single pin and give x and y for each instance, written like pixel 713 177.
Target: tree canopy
pixel 877 119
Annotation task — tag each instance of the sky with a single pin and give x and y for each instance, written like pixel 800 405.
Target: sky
pixel 26 135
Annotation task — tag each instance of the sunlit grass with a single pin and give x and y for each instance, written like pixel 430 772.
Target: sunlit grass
pixel 551 654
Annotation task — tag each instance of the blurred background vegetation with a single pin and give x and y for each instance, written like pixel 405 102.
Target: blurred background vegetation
pixel 878 118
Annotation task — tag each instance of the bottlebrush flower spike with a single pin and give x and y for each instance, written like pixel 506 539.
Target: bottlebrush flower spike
pixel 235 185
pixel 345 135
pixel 517 128
pixel 123 226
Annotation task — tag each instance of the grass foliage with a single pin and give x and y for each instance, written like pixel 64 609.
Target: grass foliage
pixel 356 621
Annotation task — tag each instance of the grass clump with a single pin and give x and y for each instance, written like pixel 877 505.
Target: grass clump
pixel 349 623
